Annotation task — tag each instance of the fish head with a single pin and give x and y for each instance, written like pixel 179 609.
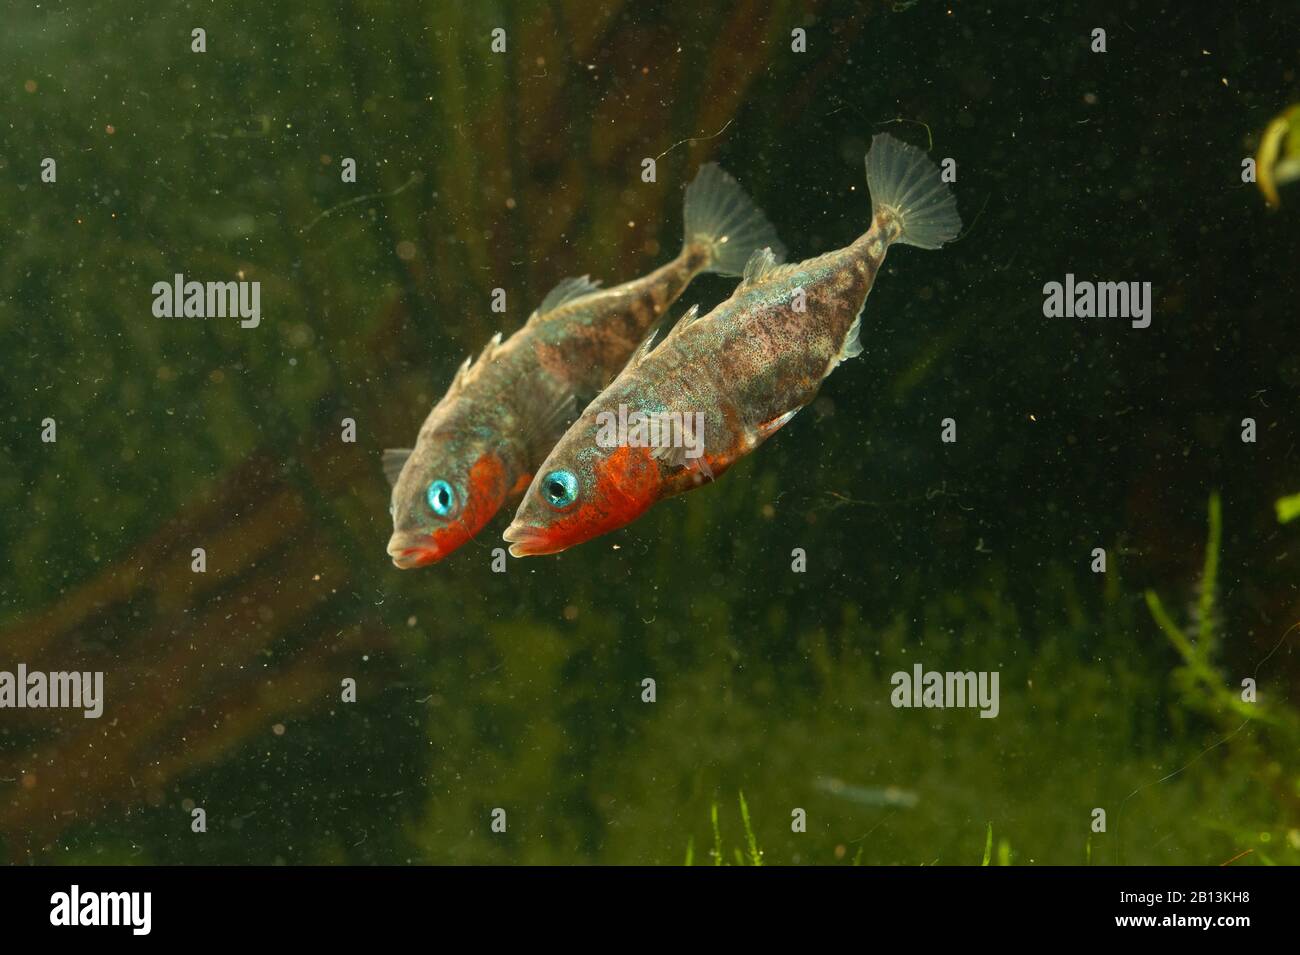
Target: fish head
pixel 583 490
pixel 449 487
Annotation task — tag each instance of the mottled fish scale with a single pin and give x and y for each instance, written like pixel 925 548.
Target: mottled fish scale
pixel 756 355
pixel 585 343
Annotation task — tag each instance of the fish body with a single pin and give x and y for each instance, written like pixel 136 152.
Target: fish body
pixel 741 372
pixel 483 440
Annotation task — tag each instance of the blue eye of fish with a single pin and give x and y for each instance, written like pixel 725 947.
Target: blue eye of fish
pixel 560 488
pixel 441 498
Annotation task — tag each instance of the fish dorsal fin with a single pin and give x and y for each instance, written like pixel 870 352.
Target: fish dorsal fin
pixel 760 265
pixel 462 375
pixel 647 345
pixel 686 321
pixel 469 367
pixel 567 291
pixel 490 349
pixel 394 461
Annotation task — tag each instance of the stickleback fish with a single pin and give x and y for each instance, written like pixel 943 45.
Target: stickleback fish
pixel 742 371
pixel 483 440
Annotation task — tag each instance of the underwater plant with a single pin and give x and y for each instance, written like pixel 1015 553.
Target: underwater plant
pixel 1204 685
pixel 1278 161
pixel 1201 678
pixel 751 856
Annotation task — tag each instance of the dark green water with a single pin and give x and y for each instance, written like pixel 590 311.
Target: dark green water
pixel 523 690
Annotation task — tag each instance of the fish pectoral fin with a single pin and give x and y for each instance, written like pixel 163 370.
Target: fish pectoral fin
pixel 673 457
pixel 564 411
pixel 394 461
pixel 676 456
pixel 557 418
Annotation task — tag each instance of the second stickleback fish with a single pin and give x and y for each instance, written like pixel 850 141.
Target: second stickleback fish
pixel 719 385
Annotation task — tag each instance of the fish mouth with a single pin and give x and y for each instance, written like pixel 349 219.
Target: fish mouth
pixel 528 541
pixel 412 550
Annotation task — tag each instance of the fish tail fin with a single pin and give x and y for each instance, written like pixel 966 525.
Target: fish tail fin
pixel 906 187
pixel 723 219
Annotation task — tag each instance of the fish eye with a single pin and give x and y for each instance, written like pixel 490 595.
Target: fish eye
pixel 560 488
pixel 442 498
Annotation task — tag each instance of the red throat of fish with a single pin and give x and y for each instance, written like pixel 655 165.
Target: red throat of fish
pixel 486 492
pixel 627 483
